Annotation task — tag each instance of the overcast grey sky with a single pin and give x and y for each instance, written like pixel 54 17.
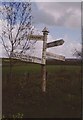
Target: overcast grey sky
pixel 63 20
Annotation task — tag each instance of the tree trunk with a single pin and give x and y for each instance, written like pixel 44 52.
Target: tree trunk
pixel 10 69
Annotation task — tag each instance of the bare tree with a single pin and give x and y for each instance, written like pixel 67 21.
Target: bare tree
pixel 77 54
pixel 16 27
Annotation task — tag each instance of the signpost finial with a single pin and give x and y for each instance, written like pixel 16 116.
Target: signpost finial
pixel 45 30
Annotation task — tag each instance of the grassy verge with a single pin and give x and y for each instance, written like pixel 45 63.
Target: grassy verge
pixel 23 93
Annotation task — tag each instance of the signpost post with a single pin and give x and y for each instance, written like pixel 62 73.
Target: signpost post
pixel 43 66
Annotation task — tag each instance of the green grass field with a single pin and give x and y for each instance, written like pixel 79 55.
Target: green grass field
pixel 23 94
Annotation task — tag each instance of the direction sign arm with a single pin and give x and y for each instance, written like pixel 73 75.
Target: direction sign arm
pixel 55 56
pixel 55 43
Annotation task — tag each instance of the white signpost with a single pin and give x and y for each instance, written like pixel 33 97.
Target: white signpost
pixel 42 61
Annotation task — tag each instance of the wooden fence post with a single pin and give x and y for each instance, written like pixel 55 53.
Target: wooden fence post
pixel 43 66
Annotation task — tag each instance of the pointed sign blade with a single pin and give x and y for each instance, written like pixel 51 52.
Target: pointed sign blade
pixel 55 43
pixel 55 56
